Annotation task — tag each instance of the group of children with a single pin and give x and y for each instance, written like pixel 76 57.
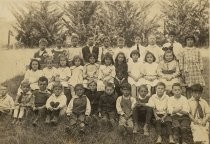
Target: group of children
pixel 116 84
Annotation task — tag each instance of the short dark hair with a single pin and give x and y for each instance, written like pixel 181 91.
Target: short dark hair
pixel 143 86
pixel 57 84
pixel 196 88
pixel 172 33
pixel 177 84
pixel 126 86
pixel 161 84
pixel 109 85
pixel 107 55
pixel 42 79
pixel 77 57
pixel 78 85
pixel 135 52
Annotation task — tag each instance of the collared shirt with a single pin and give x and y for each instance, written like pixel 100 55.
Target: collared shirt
pixel 71 105
pixel 174 103
pixel 61 99
pixel 33 76
pixel 6 102
pixel 119 106
pixel 49 73
pixel 159 103
pixel 193 106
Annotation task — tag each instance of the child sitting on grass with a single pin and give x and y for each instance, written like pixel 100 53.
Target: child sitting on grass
pixel 55 104
pixel 124 106
pixel 107 105
pixel 39 99
pixel 6 101
pixel 22 102
pixel 159 102
pixel 79 108
pixel 200 115
pixel 178 108
pixel 142 111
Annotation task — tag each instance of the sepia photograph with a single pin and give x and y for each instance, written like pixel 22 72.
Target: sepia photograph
pixel 104 72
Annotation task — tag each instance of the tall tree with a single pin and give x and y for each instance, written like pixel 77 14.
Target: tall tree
pixel 37 20
pixel 187 17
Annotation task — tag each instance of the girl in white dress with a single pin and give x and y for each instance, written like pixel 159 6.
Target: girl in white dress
pixel 106 72
pixel 135 71
pixel 49 72
pixel 33 74
pixel 168 70
pixel 150 77
pixel 63 72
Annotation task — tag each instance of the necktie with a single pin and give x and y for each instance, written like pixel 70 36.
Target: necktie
pixel 138 47
pixel 199 109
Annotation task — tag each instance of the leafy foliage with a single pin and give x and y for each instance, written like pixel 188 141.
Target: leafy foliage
pixel 37 20
pixel 184 17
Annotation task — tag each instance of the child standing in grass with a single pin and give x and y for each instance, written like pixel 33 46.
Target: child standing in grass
pixel 200 115
pixel 134 71
pixel 58 51
pixel 49 72
pixel 6 101
pixel 159 102
pixel 90 70
pixel 191 65
pixel 79 108
pixel 55 104
pixel 142 111
pixel 178 108
pixel 149 71
pixel 107 105
pixel 39 99
pixel 168 70
pixel 106 72
pixel 42 53
pixel 22 102
pixel 124 106
pixel 33 74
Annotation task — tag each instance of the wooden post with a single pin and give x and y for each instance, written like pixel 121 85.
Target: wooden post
pixel 8 44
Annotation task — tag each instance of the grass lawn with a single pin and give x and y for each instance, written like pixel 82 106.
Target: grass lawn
pixel 43 134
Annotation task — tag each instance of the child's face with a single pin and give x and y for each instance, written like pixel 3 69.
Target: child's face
pixel 49 64
pixel 196 94
pixel 63 62
pixel 57 90
pixel 190 42
pixel 137 40
pixel 3 92
pixel 79 91
pixel 59 43
pixel 77 62
pixel 143 92
pixel 109 90
pixel 176 90
pixel 108 61
pixel 149 58
pixel 171 38
pixel 120 58
pixel 34 65
pixel 74 42
pixel 91 41
pixel 92 86
pixel 152 40
pixel 119 75
pixel 121 43
pixel 126 92
pixel 42 45
pixel 169 56
pixel 106 43
pixel 160 90
pixel 42 85
pixel 25 88
pixel 92 60
pixel 135 57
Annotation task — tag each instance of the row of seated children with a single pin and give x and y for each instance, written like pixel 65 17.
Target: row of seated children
pixel 176 113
